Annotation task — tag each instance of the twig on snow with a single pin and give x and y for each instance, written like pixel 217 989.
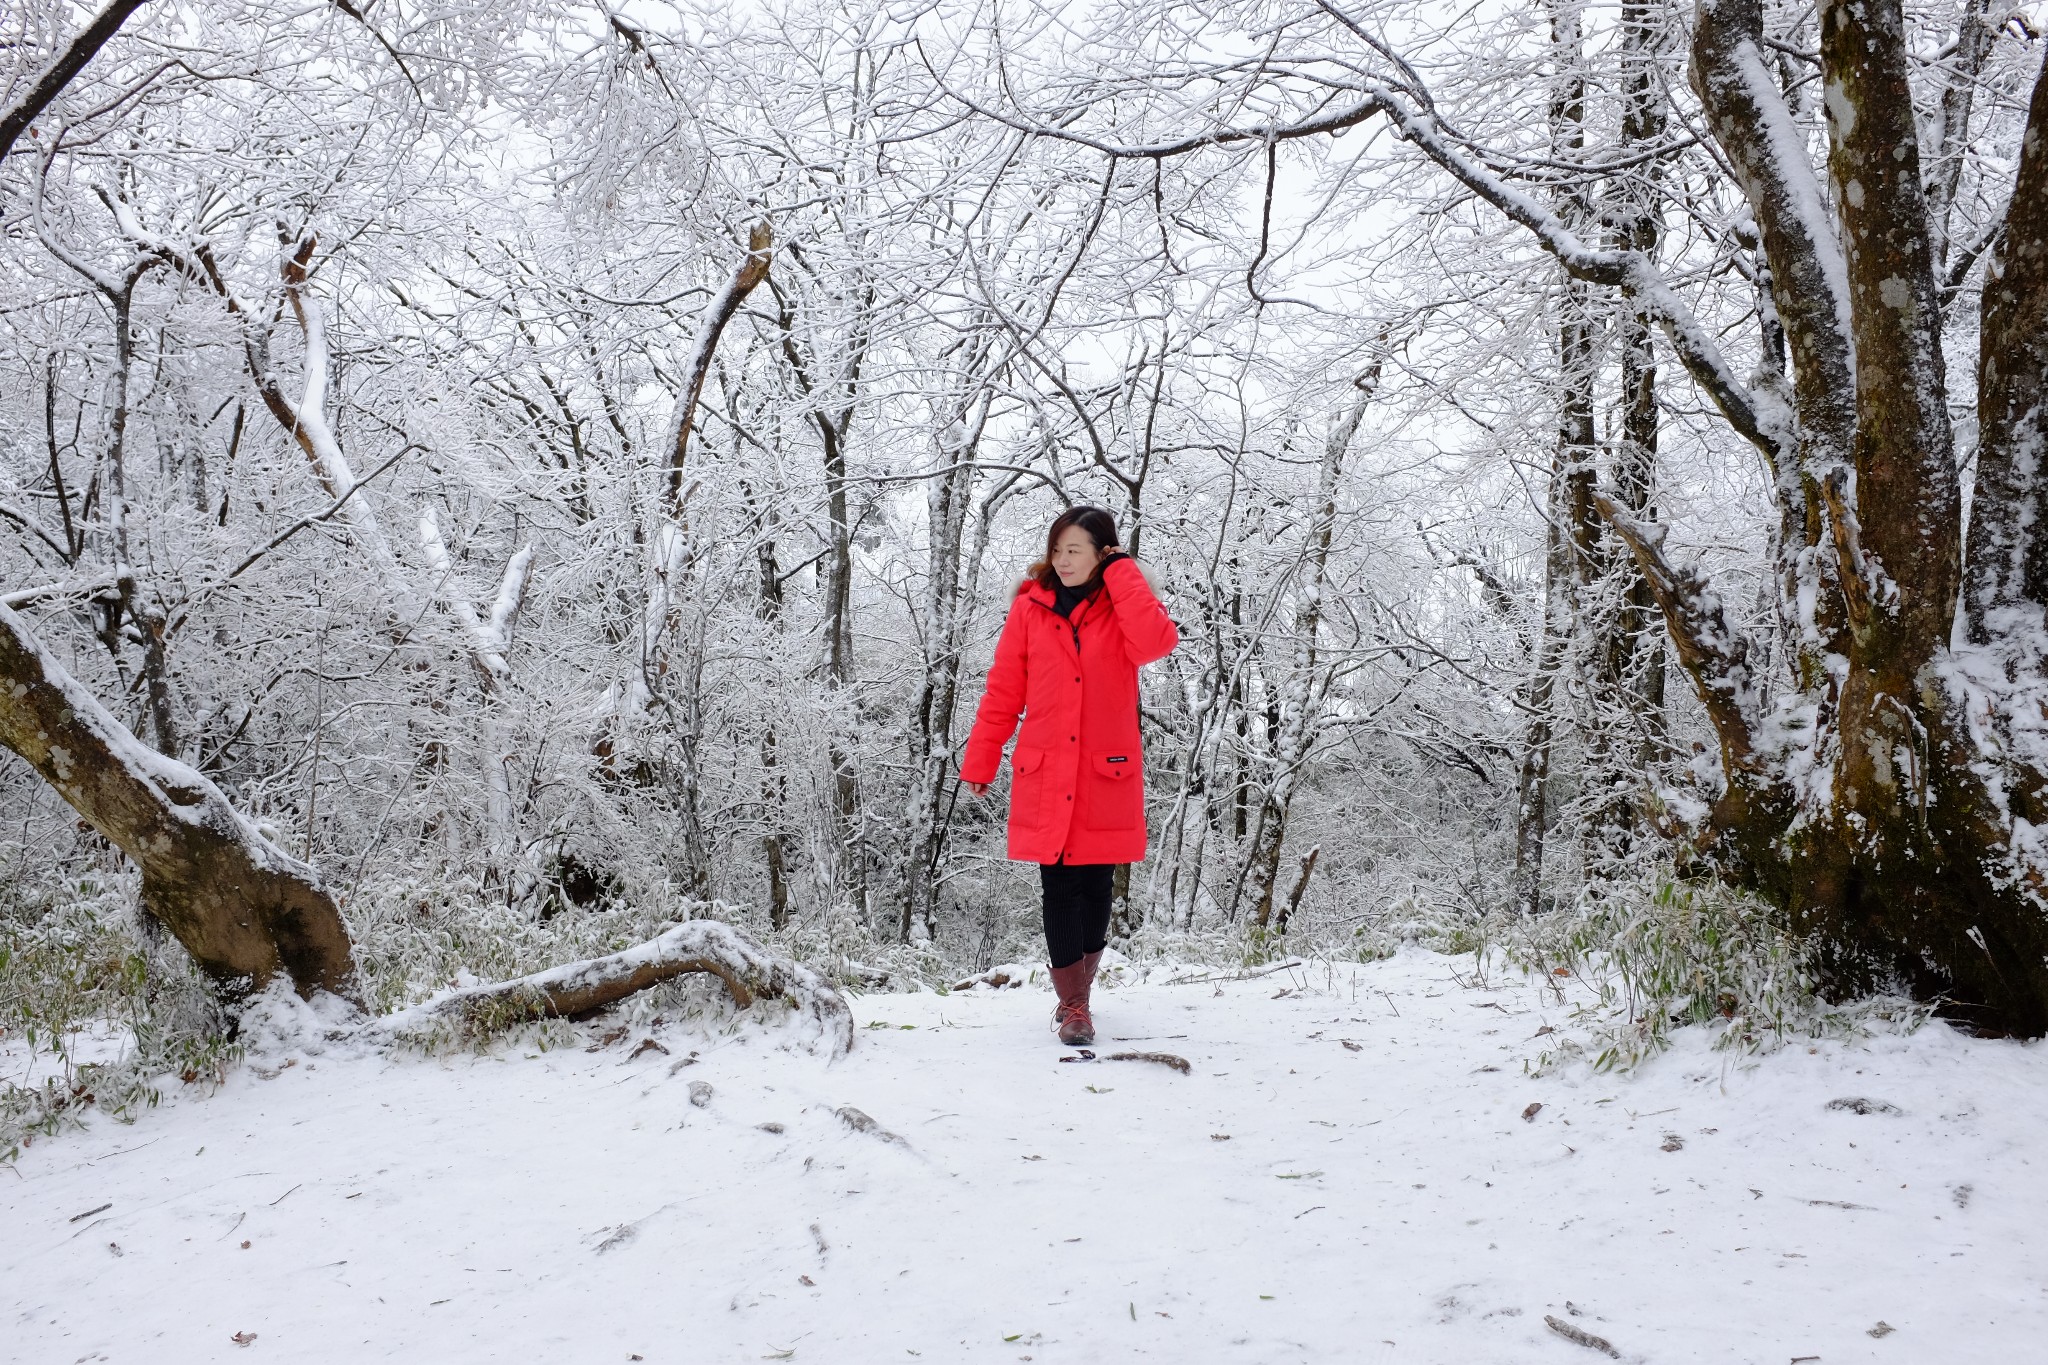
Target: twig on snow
pixel 1580 1336
pixel 862 1123
pixel 1233 976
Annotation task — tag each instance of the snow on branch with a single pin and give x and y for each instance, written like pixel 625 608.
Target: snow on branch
pixel 748 970
pixel 511 594
pixel 490 636
pixel 1759 416
pixel 70 60
pixel 753 268
pixel 303 418
pixel 1715 654
pixel 1316 125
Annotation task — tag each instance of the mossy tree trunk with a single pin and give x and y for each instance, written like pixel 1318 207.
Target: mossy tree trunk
pixel 1888 803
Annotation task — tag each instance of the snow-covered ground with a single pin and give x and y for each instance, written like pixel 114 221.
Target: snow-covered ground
pixel 23 1065
pixel 1347 1175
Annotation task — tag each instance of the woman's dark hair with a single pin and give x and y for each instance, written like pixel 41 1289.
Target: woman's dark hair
pixel 1098 525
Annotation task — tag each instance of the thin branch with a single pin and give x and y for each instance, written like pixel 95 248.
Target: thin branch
pixel 71 59
pixel 332 510
pixel 753 268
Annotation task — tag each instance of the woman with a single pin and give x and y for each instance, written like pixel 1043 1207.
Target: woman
pixel 1083 620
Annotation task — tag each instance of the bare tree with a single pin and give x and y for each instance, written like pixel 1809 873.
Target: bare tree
pixel 1305 686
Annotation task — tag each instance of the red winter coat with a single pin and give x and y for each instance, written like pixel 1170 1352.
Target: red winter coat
pixel 1077 777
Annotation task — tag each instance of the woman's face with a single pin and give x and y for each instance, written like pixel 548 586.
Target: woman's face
pixel 1074 557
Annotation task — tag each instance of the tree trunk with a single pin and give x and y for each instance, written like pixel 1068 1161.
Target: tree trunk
pixel 489 641
pixel 246 910
pixel 1571 537
pixel 774 786
pixel 948 502
pixel 1949 130
pixel 132 599
pixel 1627 684
pixel 843 869
pixel 1532 774
pixel 1304 685
pixel 147 615
pixel 1288 911
pixel 1175 888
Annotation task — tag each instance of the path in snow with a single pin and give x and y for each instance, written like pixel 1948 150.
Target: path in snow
pixel 1291 1200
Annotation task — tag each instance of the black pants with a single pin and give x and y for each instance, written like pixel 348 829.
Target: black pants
pixel 1076 909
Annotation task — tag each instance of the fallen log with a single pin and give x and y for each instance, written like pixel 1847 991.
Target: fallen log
pixel 748 971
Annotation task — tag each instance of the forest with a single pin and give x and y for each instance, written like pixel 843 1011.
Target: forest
pixel 490 487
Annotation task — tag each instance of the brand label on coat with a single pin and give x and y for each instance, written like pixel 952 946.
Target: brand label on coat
pixel 1116 758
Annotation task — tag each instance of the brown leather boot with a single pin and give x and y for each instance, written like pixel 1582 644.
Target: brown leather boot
pixel 1070 1017
pixel 1088 964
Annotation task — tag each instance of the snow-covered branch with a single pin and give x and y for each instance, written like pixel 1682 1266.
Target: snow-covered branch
pixel 1714 652
pixel 752 269
pixel 749 971
pixel 303 418
pixel 1758 415
pixel 64 68
pixel 490 636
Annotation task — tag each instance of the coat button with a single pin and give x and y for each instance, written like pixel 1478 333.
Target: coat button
pixel 1070 798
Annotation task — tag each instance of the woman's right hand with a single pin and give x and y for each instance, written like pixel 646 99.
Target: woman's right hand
pixel 978 788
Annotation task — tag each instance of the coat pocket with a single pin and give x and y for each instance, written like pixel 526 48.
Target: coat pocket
pixel 1027 787
pixel 1116 791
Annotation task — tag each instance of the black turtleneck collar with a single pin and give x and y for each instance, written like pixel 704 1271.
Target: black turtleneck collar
pixel 1065 599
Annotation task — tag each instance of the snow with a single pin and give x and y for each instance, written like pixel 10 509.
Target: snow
pixel 490 639
pixel 1293 1199
pixel 23 1065
pixel 1784 147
